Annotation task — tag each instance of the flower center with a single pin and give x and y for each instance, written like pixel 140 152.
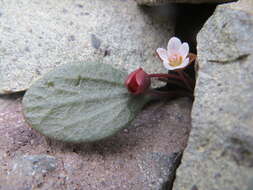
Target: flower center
pixel 175 60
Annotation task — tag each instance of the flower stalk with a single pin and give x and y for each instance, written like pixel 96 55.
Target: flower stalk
pixel 176 58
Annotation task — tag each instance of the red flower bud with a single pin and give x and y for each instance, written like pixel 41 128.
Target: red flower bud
pixel 138 82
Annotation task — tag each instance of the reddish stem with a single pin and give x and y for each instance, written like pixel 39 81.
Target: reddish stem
pixel 186 81
pixel 192 57
pixel 161 75
pixel 170 94
pixel 189 79
pixel 172 82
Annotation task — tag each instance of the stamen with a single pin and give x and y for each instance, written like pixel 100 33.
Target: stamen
pixel 175 60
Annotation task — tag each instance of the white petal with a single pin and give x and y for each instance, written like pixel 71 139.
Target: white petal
pixel 184 50
pixel 185 62
pixel 162 54
pixel 167 65
pixel 173 45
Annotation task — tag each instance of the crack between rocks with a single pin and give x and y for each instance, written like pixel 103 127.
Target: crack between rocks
pixel 12 96
pixel 190 20
pixel 169 184
pixel 240 58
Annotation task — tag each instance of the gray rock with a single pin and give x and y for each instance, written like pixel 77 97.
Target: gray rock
pixel 51 32
pixel 34 164
pixel 142 157
pixel 28 172
pixel 219 154
pixel 160 179
pixel 160 2
pixel 250 185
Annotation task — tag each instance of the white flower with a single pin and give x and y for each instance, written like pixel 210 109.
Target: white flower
pixel 175 55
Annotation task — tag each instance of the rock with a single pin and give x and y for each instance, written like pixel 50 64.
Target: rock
pixel 143 156
pixel 160 2
pixel 51 32
pixel 34 164
pixel 243 5
pixel 219 154
pixel 28 172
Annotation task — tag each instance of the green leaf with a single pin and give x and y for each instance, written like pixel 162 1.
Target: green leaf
pixel 82 102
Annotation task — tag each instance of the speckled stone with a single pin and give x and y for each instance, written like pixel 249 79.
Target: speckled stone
pixel 29 165
pixel 36 36
pixel 219 154
pixel 143 156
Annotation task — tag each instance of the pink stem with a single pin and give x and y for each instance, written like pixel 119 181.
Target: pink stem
pixel 187 83
pixel 189 79
pixel 171 94
pixel 161 75
pixel 192 57
pixel 172 82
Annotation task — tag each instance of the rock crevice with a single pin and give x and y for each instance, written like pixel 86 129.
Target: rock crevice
pixel 220 147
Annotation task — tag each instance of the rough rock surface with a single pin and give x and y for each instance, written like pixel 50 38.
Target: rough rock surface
pixel 144 156
pixel 160 2
pixel 219 154
pixel 36 36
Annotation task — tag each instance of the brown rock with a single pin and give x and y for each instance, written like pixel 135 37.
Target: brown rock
pixel 144 156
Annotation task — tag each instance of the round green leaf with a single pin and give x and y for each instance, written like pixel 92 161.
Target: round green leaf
pixel 82 102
